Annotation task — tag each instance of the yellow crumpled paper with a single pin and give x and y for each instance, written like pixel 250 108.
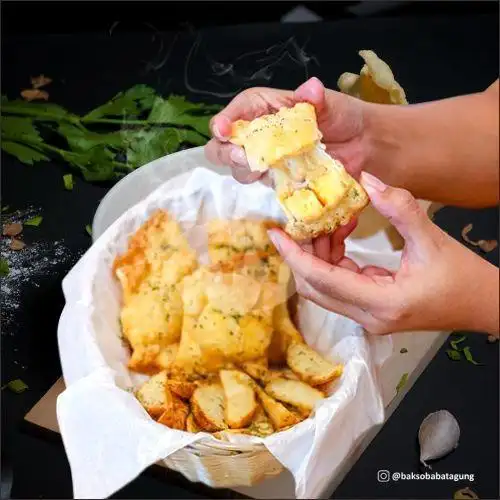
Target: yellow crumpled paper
pixel 375 83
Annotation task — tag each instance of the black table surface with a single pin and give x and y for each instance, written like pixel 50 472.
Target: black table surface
pixel 432 58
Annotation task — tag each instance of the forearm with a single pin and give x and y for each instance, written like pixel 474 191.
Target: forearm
pixel 482 312
pixel 444 151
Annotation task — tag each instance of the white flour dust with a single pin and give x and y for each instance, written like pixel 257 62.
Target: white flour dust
pixel 26 267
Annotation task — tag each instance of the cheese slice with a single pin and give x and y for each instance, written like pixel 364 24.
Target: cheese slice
pixel 315 191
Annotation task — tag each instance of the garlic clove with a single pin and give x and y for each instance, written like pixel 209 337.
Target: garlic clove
pixel 438 435
pixel 465 494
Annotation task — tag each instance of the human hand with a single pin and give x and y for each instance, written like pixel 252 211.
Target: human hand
pixel 440 285
pixel 340 120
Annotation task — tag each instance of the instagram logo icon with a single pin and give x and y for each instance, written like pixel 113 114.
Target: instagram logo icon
pixel 383 476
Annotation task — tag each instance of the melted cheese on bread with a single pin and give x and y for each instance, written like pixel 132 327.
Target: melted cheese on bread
pixel 270 138
pixel 315 191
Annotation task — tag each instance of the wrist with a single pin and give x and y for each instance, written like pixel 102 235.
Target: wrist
pixel 483 301
pixel 384 145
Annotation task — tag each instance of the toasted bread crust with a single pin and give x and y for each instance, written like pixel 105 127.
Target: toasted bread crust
pixel 175 414
pixel 181 388
pixel 191 425
pixel 209 415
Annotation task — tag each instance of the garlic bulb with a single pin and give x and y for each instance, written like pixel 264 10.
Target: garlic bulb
pixel 438 435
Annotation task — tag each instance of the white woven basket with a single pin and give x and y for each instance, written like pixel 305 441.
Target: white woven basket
pixel 224 465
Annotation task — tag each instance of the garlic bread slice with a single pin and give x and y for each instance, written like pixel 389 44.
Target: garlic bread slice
pixel 310 366
pixel 279 415
pixel 207 405
pixel 240 403
pixel 295 393
pixel 154 394
pixel 175 414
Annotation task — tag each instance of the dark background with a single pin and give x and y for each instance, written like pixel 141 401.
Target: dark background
pixel 93 50
pixel 45 17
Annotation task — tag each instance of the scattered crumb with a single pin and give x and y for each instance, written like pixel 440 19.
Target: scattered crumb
pixel 12 229
pixel 492 339
pixel 35 95
pixel 403 350
pixel 40 81
pixel 484 245
pixel 16 244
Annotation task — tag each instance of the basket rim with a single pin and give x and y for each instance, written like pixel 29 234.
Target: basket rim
pixel 211 442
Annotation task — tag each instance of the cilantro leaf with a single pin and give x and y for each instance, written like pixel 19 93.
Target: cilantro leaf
pixel 96 164
pixel 192 137
pixel 148 145
pixel 81 139
pixel 130 103
pixel 402 382
pixel 177 111
pixel 468 356
pixel 16 386
pixel 68 182
pixel 88 228
pixel 23 153
pixel 455 342
pixel 37 110
pixel 35 221
pixel 4 267
pixel 20 128
pixel 454 355
pixel 183 106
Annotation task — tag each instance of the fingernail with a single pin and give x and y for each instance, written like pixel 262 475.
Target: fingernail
pixel 371 182
pixel 306 91
pixel 216 131
pixel 274 238
pixel 238 156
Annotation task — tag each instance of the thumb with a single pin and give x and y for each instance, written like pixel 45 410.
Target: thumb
pixel 313 92
pixel 400 207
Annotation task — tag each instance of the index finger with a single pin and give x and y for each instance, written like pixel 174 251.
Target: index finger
pixel 240 108
pixel 247 105
pixel 332 280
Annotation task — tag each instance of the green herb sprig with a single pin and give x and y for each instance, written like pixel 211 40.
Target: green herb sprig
pixel 133 128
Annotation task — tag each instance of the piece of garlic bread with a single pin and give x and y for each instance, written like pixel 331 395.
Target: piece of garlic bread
pixel 279 415
pixel 207 405
pixel 175 414
pixel 240 403
pixel 191 425
pixel 295 393
pixel 154 394
pixel 310 366
pixel 316 192
pixel 181 388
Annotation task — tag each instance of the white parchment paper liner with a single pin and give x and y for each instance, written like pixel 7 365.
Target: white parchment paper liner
pixel 108 436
